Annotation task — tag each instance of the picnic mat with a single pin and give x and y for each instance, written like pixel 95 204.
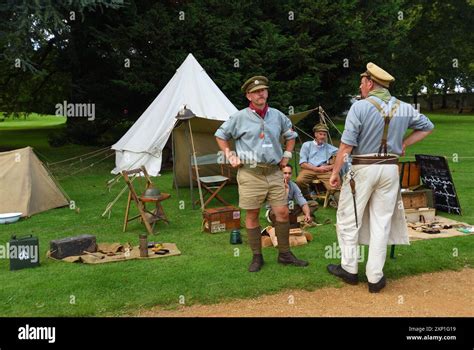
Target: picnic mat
pixel 416 235
pixel 110 252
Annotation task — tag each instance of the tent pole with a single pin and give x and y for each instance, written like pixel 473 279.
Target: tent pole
pixel 174 163
pixel 190 170
pixel 196 166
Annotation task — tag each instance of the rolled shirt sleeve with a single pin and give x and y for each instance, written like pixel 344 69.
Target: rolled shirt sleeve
pixel 420 122
pixel 352 126
pixel 227 129
pixel 287 128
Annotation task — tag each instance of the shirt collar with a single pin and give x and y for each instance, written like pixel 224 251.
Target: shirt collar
pixel 260 112
pixel 319 146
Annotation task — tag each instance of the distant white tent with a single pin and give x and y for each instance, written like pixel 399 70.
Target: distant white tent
pixel 191 87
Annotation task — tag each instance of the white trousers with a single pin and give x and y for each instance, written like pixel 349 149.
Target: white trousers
pixel 377 190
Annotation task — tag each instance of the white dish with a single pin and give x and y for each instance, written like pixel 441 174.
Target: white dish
pixel 8 218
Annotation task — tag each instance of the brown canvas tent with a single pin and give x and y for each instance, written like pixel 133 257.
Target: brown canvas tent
pixel 25 185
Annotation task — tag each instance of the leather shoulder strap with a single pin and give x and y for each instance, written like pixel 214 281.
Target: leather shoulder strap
pixel 387 119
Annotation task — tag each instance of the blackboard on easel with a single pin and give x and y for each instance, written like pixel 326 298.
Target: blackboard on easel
pixel 436 175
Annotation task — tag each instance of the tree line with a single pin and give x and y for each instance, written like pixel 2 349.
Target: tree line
pixel 119 54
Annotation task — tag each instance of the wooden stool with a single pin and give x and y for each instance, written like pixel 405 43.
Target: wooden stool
pixel 325 194
pixel 156 215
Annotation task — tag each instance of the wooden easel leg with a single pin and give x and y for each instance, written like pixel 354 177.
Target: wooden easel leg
pixel 162 213
pixel 127 210
pixel 142 210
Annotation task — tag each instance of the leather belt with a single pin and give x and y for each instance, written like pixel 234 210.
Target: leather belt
pixel 374 160
pixel 261 166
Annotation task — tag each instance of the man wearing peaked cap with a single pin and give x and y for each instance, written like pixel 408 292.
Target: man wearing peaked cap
pixel 378 75
pixel 257 130
pixel 255 83
pixel 370 210
pixel 314 159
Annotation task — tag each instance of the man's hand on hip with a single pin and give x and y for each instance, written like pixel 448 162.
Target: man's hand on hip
pixel 283 162
pixel 235 161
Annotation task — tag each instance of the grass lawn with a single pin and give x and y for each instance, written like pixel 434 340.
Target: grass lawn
pixel 32 121
pixel 210 269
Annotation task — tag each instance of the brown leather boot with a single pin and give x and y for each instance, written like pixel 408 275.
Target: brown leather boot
pixel 288 258
pixel 257 263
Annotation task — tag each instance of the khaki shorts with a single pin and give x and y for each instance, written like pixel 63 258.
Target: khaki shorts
pixel 258 185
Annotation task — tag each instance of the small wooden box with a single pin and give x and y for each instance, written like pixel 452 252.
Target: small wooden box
pixel 221 219
pixel 420 215
pixel 417 199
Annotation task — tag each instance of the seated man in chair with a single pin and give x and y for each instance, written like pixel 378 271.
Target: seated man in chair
pixel 314 158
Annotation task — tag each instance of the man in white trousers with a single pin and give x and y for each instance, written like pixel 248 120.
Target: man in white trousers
pixel 370 208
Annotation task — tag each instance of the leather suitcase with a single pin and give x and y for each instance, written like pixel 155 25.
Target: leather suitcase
pixel 70 246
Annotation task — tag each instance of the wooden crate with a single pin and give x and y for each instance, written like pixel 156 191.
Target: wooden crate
pixel 417 199
pixel 420 215
pixel 409 174
pixel 221 219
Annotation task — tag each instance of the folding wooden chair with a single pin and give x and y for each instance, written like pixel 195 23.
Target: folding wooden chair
pixel 324 194
pixel 211 184
pixel 153 216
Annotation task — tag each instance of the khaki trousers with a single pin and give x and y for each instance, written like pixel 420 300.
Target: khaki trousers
pixel 305 179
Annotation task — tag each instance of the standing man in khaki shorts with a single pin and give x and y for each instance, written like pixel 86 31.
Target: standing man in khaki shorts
pixel 257 130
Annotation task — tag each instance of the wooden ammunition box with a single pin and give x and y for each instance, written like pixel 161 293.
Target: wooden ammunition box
pixel 417 199
pixel 420 215
pixel 70 246
pixel 221 219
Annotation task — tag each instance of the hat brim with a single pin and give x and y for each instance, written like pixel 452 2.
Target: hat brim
pixel 258 87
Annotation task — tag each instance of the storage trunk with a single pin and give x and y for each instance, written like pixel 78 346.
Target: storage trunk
pixel 417 199
pixel 409 174
pixel 23 252
pixel 70 246
pixel 221 219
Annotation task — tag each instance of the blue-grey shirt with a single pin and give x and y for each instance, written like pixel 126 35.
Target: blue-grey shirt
pixel 294 194
pixel 364 126
pixel 245 127
pixel 316 155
